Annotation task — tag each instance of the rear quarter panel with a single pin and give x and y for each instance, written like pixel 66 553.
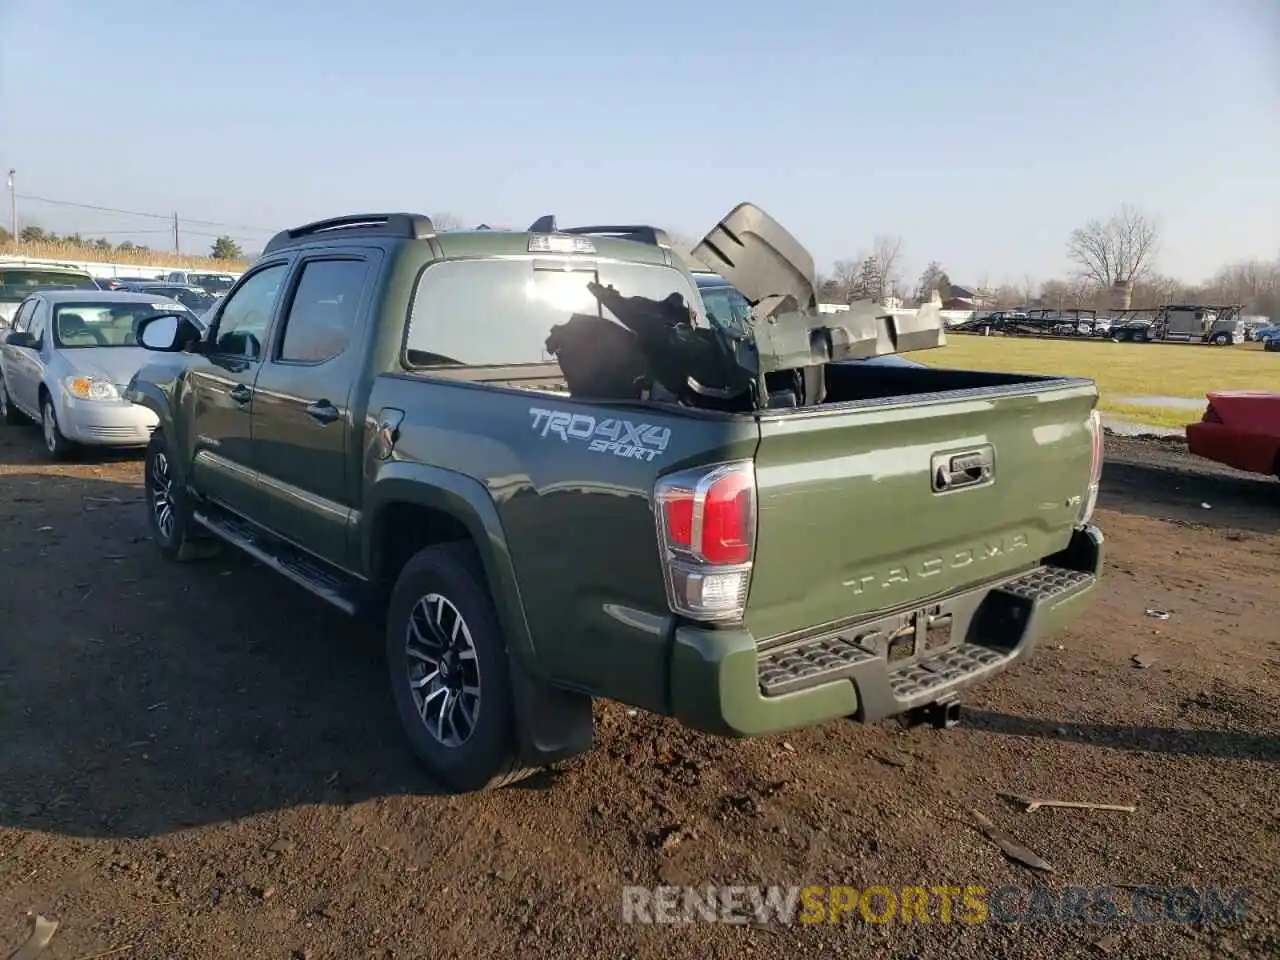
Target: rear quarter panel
pixel 575 512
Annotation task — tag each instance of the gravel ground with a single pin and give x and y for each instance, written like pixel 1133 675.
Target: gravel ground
pixel 201 761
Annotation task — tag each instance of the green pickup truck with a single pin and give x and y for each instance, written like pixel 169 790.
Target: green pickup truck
pixel 556 475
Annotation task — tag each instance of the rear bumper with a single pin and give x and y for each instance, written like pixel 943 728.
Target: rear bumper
pixel 723 683
pixel 1251 452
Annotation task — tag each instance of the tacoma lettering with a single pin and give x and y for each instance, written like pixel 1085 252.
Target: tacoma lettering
pixel 933 566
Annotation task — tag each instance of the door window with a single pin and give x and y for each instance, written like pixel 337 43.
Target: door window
pixel 37 323
pixel 244 318
pixel 23 316
pixel 322 316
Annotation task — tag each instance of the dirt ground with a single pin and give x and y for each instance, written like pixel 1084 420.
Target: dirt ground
pixel 202 761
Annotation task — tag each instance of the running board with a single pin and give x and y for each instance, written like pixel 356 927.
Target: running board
pixel 303 569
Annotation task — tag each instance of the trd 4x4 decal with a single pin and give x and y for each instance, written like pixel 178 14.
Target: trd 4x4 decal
pixel 621 438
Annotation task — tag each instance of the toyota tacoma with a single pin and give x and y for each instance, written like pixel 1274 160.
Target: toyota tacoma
pixel 553 477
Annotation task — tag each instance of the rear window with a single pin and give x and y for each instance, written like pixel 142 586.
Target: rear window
pixel 18 284
pixel 727 308
pixel 493 312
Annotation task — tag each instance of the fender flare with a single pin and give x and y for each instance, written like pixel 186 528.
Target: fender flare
pixel 553 724
pixel 469 502
pixel 155 398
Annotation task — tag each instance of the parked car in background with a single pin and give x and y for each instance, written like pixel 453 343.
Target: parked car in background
pixel 1240 428
pixel 195 299
pixel 66 362
pixel 20 281
pixel 117 283
pixel 216 284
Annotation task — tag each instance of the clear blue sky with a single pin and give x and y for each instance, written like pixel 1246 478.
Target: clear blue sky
pixel 982 131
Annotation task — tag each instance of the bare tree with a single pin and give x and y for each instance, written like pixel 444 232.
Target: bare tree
pixel 444 220
pixel 1121 248
pixel 887 251
pixel 847 274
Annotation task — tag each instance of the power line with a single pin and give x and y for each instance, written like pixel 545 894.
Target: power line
pixel 138 213
pixel 94 234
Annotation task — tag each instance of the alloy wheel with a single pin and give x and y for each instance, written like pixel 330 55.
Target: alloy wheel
pixel 444 674
pixel 50 424
pixel 162 495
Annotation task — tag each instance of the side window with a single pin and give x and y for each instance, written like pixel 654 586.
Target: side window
pixel 322 316
pixel 23 315
pixel 244 318
pixel 36 329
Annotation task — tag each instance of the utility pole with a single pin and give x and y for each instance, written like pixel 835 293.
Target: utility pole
pixel 175 232
pixel 13 205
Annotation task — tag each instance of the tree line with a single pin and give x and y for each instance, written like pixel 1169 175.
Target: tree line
pixel 222 248
pixel 1120 248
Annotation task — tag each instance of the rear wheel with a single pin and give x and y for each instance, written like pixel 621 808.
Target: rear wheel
pixel 11 414
pixel 448 669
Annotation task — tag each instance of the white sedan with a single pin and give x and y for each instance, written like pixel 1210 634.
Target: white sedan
pixel 65 364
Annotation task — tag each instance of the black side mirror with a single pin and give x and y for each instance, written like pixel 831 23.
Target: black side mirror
pixel 20 339
pixel 169 332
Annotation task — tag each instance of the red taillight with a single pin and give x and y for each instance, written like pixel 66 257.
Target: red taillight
pixel 727 519
pixel 706 528
pixel 679 516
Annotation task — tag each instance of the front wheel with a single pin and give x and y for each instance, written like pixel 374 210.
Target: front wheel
pixel 448 668
pixel 1221 339
pixel 56 445
pixel 168 510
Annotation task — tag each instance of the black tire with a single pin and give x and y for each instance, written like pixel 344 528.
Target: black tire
pixel 1221 339
pixel 57 446
pixel 168 509
pixel 11 414
pixel 487 757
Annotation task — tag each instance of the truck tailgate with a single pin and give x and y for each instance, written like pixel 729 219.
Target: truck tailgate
pixel 873 506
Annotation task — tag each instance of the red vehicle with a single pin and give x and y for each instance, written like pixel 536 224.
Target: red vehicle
pixel 1240 428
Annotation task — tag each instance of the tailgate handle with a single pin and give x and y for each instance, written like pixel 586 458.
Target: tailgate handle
pixel 970 468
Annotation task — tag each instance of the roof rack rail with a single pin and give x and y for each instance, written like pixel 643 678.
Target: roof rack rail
pixel 639 233
pixel 408 226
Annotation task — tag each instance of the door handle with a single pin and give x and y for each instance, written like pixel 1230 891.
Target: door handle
pixel 324 411
pixel 241 394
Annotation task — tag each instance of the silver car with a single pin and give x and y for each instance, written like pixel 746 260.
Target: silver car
pixel 65 364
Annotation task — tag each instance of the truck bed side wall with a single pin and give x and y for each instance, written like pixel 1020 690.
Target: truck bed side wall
pixel 575 511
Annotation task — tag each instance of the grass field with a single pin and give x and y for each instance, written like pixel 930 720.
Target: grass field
pixel 153 258
pixel 1120 369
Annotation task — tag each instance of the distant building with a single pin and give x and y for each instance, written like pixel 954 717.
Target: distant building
pixel 963 298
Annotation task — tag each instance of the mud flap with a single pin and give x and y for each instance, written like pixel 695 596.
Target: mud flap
pixel 551 724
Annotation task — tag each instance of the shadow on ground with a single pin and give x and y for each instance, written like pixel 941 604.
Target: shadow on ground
pixel 1156 490
pixel 1216 744
pixel 138 696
